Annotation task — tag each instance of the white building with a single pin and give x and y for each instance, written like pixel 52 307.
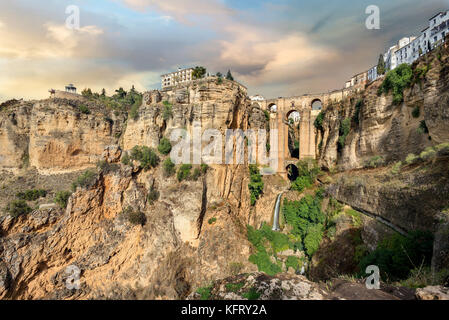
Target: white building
pixel 257 97
pixel 409 49
pixel 178 77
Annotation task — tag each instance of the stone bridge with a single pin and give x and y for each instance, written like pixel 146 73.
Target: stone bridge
pixel 308 107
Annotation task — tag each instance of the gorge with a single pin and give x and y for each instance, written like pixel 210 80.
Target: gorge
pixel 138 226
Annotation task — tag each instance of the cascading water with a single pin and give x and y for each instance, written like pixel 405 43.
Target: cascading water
pixel 277 210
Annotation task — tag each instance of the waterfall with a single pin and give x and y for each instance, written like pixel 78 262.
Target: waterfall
pixel 277 209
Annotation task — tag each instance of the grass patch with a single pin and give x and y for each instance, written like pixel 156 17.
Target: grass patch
pixel 62 198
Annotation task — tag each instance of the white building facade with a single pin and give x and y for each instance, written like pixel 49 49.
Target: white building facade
pixel 409 49
pixel 178 77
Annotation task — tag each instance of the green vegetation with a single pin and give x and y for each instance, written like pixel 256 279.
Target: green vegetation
pixel 153 195
pixel 411 159
pixel 306 220
pixel 134 217
pixel 292 262
pixel 205 292
pixel 31 195
pixel 212 220
pixel 423 127
pixel 428 153
pixel 196 174
pixel 397 255
pixel 396 168
pixel 62 198
pixel 106 167
pixel 84 109
pixel 204 167
pixel 416 113
pixel 85 180
pixel 319 121
pixel 381 65
pixel 308 171
pixel 358 109
pixel 199 72
pixel 125 159
pixel 167 111
pixel 345 128
pixel 146 156
pixel 184 172
pixel 17 208
pixel 256 184
pixel 375 162
pixel 234 287
pixel 229 76
pixel 396 81
pixel 164 146
pixel 169 168
pixel 252 294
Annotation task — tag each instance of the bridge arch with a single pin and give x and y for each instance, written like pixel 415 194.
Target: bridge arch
pixel 273 108
pixel 317 104
pixel 292 172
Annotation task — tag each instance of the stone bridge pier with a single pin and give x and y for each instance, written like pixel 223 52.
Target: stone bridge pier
pixel 305 110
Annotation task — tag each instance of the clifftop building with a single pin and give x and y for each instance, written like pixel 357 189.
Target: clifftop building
pixel 181 76
pixel 409 49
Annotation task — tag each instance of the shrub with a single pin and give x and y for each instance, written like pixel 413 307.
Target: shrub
pixel 147 157
pixel 134 112
pixel 204 168
pixel 184 172
pixel 375 162
pixel 164 146
pixel 301 183
pixel 212 220
pixel 125 159
pixel 167 112
pixel 84 109
pixel 205 292
pixel 32 195
pixel 396 167
pixel 169 168
pixel 62 198
pixel 423 127
pixel 107 167
pixel 85 180
pixel 256 184
pixel 313 239
pixel 345 128
pixel 17 208
pixel 252 294
pixel 396 81
pixel 234 287
pixel 196 174
pixel 292 262
pixel 358 108
pixel 153 195
pixel 428 154
pixel 416 112
pixel 411 159
pixel 397 255
pixel 319 121
pixel 442 149
pixel 134 217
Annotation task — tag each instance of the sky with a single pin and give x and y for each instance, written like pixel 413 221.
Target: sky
pixel 274 48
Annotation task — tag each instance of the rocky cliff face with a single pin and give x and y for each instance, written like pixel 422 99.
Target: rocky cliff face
pixel 195 232
pixel 378 127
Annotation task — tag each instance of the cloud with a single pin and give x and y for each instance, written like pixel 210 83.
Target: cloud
pixel 183 11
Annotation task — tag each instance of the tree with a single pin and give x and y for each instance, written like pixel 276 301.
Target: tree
pixel 219 75
pixel 381 65
pixel 103 92
pixel 229 76
pixel 87 93
pixel 199 72
pixel 121 93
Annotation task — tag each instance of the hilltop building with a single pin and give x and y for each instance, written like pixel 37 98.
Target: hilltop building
pixel 177 77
